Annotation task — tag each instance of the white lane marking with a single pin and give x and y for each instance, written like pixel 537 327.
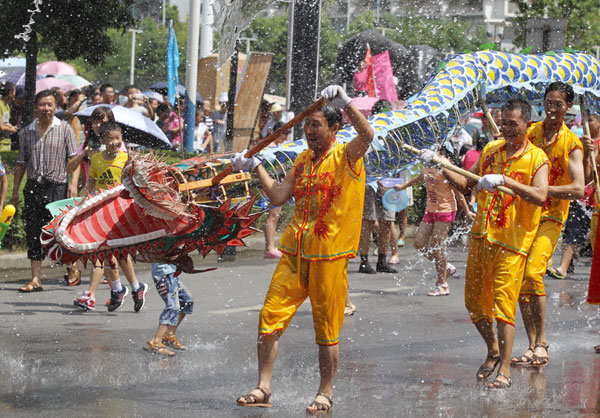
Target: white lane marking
pixel 236 310
pixel 389 289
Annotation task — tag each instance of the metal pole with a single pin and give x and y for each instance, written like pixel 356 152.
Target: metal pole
pixel 191 77
pixel 348 16
pixel 206 37
pixel 164 12
pixel 132 69
pixel 231 104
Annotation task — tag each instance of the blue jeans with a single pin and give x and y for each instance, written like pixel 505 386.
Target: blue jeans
pixel 176 297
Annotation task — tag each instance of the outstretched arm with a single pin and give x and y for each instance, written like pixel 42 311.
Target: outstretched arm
pixel 278 193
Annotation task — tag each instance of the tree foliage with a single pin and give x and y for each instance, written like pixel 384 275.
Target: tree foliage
pixel 583 18
pixel 150 55
pixel 68 28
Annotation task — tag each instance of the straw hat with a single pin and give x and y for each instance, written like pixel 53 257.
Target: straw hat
pixel 276 107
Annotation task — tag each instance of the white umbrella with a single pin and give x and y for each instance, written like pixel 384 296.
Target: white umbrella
pixel 137 128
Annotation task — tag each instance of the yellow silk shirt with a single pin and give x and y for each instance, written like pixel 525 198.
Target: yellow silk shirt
pixel 558 152
pixel 510 222
pixel 329 198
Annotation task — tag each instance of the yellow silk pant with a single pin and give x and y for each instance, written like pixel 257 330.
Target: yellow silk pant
pixel 540 252
pixel 325 282
pixel 492 282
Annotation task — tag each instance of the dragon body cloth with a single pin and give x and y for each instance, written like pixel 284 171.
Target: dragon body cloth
pixel 157 215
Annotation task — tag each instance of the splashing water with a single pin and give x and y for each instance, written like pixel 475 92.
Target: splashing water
pixel 27 27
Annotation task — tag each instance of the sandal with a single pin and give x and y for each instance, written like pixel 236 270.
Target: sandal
pixel 486 372
pixel 597 349
pixel 541 360
pixel 499 384
pixel 320 407
pixel 349 310
pixel 450 270
pixel 158 349
pixel 73 277
pixel 439 290
pixel 524 359
pixel 172 341
pixel 31 287
pixel 252 401
pixel 552 272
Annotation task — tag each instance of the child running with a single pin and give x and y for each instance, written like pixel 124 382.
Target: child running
pixel 178 303
pixel 439 215
pixel 105 172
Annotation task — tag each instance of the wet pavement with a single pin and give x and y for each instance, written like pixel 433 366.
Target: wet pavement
pixel 402 354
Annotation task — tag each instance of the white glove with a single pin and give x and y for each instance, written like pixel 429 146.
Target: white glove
pixel 336 96
pixel 426 156
pixel 241 163
pixel 490 181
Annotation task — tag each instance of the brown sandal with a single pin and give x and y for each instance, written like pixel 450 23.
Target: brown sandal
pixel 31 287
pixel 73 277
pixel 158 348
pixel 540 361
pixel 172 341
pixel 321 407
pixel 524 359
pixel 252 401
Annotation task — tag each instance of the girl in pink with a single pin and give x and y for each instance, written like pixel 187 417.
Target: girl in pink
pixel 439 215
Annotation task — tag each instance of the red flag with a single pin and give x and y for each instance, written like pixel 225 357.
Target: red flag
pixel 370 78
pixel 594 286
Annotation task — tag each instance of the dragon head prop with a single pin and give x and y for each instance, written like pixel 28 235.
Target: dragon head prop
pixel 147 218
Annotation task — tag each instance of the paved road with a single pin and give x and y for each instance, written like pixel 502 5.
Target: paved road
pixel 402 354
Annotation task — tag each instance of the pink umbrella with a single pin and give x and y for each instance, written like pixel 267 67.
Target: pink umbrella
pixel 56 68
pixel 49 82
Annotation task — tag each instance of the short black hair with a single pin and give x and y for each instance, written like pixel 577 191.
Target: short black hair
pixel 332 115
pixel 45 93
pixel 103 87
pixel 74 93
pixel 5 88
pixel 380 105
pixel 563 87
pixel 163 107
pixel 518 104
pixel 126 89
pixel 109 127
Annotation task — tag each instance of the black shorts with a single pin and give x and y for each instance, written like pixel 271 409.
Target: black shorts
pixel 35 215
pixel 578 224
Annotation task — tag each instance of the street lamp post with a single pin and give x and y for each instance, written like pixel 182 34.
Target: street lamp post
pixel 132 69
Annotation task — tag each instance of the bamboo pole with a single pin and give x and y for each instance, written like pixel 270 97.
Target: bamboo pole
pixel 586 132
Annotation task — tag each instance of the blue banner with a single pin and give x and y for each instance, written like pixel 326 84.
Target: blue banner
pixel 172 65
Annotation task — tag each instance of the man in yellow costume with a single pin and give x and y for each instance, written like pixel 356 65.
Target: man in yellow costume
pixel 502 233
pixel 327 182
pixel 565 182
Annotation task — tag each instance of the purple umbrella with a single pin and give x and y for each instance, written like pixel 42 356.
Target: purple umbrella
pixel 18 77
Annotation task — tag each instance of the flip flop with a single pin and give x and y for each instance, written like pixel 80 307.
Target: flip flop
pixel 486 372
pixel 31 287
pixel 251 400
pixel 552 272
pixel 518 361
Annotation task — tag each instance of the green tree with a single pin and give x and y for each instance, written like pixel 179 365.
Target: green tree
pixel 271 35
pixel 150 51
pixel 583 18
pixel 442 33
pixel 69 28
